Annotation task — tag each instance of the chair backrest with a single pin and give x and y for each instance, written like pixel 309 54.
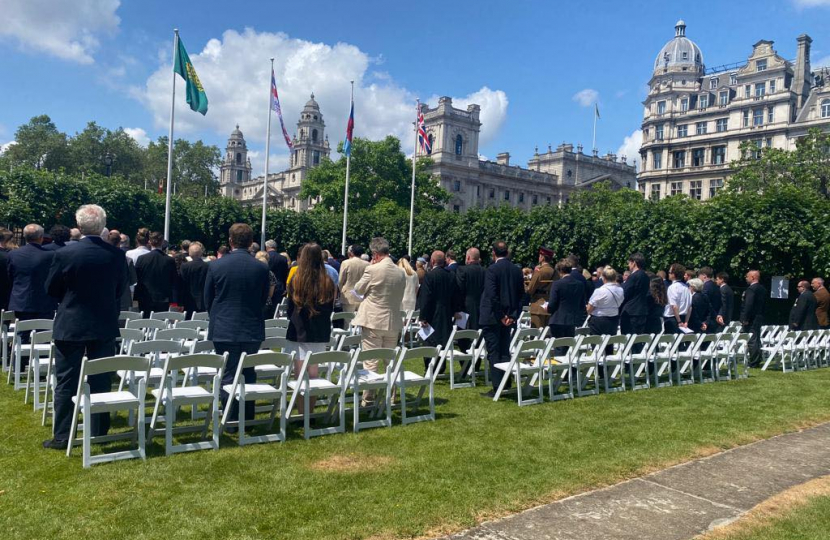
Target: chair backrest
pixel 538 345
pixel 131 334
pixel 200 316
pixel 7 317
pixel 272 343
pixel 691 339
pixel 146 324
pixel 279 359
pixel 569 344
pixel 186 361
pixel 522 334
pixel 25 327
pixel 192 324
pixel 111 364
pixel 276 323
pixel 592 341
pixel 202 346
pixel 471 335
pixel 662 343
pixel 339 357
pixel 169 316
pixel 346 316
pixel 638 339
pixel 39 338
pixel 621 340
pixel 128 315
pixel 156 346
pixel 275 332
pixel 387 355
pixel 177 334
pixel 348 343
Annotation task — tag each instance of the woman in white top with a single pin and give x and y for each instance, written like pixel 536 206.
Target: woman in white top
pixel 604 305
pixel 410 292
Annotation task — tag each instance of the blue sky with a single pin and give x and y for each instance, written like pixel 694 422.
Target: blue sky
pixel 524 62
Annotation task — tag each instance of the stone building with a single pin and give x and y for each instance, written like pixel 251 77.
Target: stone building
pixel 310 146
pixel 695 119
pixel 549 178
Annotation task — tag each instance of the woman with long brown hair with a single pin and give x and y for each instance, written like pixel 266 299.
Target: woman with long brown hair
pixel 311 294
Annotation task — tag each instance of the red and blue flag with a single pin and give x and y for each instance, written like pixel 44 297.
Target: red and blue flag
pixel 423 139
pixel 275 105
pixel 347 145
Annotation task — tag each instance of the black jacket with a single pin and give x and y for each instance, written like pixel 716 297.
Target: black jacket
pixel 470 281
pixel 567 301
pixel 156 273
pixel 87 278
pixel 236 289
pixel 752 310
pixel 193 275
pixel 701 312
pixel 279 266
pixel 303 328
pixel 803 313
pixel 438 303
pixel 5 280
pixel 636 291
pixel 727 303
pixel 28 269
pixel 710 289
pixel 503 291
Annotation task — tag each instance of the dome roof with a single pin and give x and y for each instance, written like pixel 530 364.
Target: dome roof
pixel 312 104
pixel 236 134
pixel 681 52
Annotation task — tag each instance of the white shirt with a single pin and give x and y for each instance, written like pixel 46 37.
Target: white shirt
pixel 607 300
pixel 134 254
pixel 680 296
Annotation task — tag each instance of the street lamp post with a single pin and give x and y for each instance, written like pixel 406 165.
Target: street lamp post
pixel 108 159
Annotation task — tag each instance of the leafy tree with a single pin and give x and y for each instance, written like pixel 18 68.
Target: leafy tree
pixel 193 166
pixel 40 145
pixel 807 167
pixel 379 172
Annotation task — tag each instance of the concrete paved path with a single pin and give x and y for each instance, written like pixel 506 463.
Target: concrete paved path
pixel 677 503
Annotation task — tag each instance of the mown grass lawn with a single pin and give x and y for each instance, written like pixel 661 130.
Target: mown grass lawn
pixel 479 459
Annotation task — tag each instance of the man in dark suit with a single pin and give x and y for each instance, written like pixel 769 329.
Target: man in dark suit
pixel 566 302
pixel 194 273
pixel 752 314
pixel 28 269
pixel 712 293
pixel 5 281
pixel 452 264
pixel 279 266
pixel 727 300
pixel 470 282
pixel 60 236
pixel 587 285
pixel 438 301
pixel 803 312
pixel 87 278
pixel 635 297
pixel 501 306
pixel 236 289
pixel 156 274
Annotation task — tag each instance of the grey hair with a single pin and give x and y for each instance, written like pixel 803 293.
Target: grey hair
pixel 196 250
pixel 270 244
pixel 32 232
pixel 696 284
pixel 92 219
pixel 379 246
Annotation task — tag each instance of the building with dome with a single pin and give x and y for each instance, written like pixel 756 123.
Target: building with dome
pixel 310 145
pixel 695 118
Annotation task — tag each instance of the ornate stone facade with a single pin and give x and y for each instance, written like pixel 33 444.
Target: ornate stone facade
pixel 695 119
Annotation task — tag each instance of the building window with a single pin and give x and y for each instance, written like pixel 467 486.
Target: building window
pixel 492 193
pixel 431 147
pixel 478 191
pixel 772 86
pixel 456 185
pixel 698 157
pixel 760 90
pixel 679 159
pixel 314 135
pixel 718 155
pixel 685 55
pixel 238 158
pixel 459 145
pixel 769 142
pixel 761 65
pixel 535 199
pixel 713 83
pixel 456 208
pixel 748 91
pixel 570 173
pixel 756 151
pixel 506 194
pixel 676 188
pixel 548 200
pixel 733 79
pixel 721 124
pixel 825 108
pixel 715 184
pixel 682 130
pixel 658 132
pixel 655 192
pixel 700 128
pixel 723 98
pixel 238 176
pixel 658 160
pixel 521 197
pixel 684 104
pixel 316 157
pixel 746 118
pixel 758 117
pixel 703 102
pixel 770 115
pixel 696 189
pixel 661 107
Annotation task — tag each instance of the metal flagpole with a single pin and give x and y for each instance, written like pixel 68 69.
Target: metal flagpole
pixel 594 145
pixel 412 196
pixel 170 141
pixel 346 193
pixel 267 156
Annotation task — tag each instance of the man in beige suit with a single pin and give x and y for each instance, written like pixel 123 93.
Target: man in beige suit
pixel 381 287
pixel 351 270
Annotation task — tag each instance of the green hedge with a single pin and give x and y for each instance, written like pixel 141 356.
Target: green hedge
pixel 780 232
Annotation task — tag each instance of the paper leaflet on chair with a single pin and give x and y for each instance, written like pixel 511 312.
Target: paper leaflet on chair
pixel 462 320
pixel 425 332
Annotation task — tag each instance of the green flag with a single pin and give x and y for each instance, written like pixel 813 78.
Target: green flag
pixel 196 97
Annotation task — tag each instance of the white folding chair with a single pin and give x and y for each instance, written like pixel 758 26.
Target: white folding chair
pixel 612 364
pixel 184 335
pixel 242 392
pixel 88 404
pixel 585 364
pixel 148 326
pixel 660 359
pixel 275 332
pixel 169 317
pixel 347 317
pixel 466 359
pixel 199 326
pixel 360 380
pixel 127 336
pixel 637 363
pixel 410 328
pixel 307 387
pixel 683 354
pixel 157 352
pixel 525 334
pixel 21 350
pixel 172 397
pixel 276 323
pixel 404 379
pixel 129 315
pixel 200 316
pixel 558 367
pixel 723 355
pixel 525 374
pixel 7 323
pixel 37 367
pixel 705 358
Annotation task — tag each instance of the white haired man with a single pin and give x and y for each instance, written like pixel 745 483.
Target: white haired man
pixel 87 278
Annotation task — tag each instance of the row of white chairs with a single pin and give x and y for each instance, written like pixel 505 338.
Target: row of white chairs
pixel 794 350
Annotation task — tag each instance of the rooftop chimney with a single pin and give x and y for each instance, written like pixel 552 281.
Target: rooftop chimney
pixel 801 79
pixel 503 158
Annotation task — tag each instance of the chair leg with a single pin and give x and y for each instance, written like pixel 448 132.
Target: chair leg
pixel 87 446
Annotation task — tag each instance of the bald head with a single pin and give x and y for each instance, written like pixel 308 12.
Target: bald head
pixel 33 233
pixel 473 256
pixel 753 276
pixel 438 260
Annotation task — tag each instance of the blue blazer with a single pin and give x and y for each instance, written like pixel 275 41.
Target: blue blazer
pixel 88 278
pixel 28 268
pixel 236 289
pixel 567 301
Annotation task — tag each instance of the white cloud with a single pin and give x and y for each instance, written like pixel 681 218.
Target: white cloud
pixel 139 135
pixel 811 3
pixel 66 30
pixel 586 97
pixel 631 146
pixel 234 71
pixel 5 146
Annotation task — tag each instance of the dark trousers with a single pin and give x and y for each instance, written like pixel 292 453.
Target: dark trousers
pixel 754 343
pixel 561 330
pixel 68 357
pixel 497 341
pixel 235 351
pixel 632 324
pixel 604 326
pixel 146 306
pixel 670 325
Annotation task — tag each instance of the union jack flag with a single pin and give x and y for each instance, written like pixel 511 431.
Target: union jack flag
pixel 275 105
pixel 423 139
